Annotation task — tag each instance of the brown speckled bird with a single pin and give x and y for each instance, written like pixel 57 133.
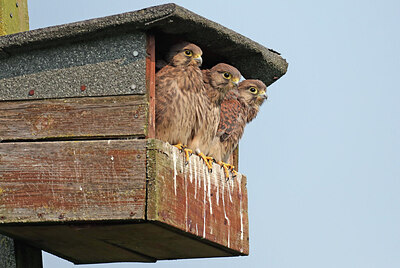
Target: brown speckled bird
pixel 217 81
pixel 237 109
pixel 179 88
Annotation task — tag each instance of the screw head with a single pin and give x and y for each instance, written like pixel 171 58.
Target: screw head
pixel 135 53
pixel 133 86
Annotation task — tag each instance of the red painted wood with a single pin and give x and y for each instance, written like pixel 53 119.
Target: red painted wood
pixel 151 84
pixel 81 180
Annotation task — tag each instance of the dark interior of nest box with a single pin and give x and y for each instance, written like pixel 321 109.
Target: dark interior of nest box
pixel 165 41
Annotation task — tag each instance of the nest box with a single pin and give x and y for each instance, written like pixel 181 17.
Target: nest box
pixel 81 175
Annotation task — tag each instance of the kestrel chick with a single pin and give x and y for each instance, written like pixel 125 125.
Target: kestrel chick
pixel 237 109
pixel 217 81
pixel 179 87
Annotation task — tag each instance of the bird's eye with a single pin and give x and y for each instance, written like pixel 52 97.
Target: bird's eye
pixel 227 75
pixel 188 53
pixel 253 90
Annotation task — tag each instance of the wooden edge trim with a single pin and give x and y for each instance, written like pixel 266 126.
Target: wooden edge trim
pixel 151 84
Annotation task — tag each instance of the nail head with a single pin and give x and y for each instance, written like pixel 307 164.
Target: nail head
pixel 135 53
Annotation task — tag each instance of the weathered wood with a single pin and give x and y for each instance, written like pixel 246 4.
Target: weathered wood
pixel 97 193
pixel 151 84
pixel 16 254
pixel 195 201
pixel 74 118
pixel 112 242
pixel 13 16
pixel 64 181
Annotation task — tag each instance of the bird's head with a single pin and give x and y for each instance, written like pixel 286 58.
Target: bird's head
pixel 224 77
pixel 254 92
pixel 185 54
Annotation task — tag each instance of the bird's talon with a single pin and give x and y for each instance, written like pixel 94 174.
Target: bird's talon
pixel 180 146
pixel 188 153
pixel 225 166
pixel 206 161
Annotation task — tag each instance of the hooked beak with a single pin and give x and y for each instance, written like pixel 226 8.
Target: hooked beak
pixel 264 95
pixel 198 59
pixel 235 81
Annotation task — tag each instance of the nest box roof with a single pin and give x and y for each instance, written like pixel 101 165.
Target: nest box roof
pixel 252 59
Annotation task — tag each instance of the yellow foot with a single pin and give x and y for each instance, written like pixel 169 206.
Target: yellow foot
pixel 225 167
pixel 180 146
pixel 208 160
pixel 188 153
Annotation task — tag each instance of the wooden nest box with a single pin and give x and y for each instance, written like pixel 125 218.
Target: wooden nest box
pixel 81 175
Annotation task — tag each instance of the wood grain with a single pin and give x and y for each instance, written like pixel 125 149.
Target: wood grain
pixel 113 242
pixel 64 181
pixel 195 201
pixel 74 118
pixel 151 84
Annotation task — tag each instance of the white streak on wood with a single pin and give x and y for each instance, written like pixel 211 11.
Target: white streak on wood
pixel 229 188
pixel 186 208
pixel 190 169
pixel 204 200
pixel 195 176
pixel 226 217
pixel 217 185
pixel 239 180
pixel 209 191
pixel 174 160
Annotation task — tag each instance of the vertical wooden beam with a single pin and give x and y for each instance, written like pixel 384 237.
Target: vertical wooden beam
pixel 13 16
pixel 16 254
pixel 13 253
pixel 151 84
pixel 236 158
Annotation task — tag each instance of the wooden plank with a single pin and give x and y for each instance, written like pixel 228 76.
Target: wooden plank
pixel 151 84
pixel 64 181
pixel 114 242
pixel 76 243
pixel 17 254
pixel 13 16
pixel 74 118
pixel 195 201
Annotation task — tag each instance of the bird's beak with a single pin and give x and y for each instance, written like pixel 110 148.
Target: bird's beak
pixel 235 81
pixel 264 95
pixel 198 59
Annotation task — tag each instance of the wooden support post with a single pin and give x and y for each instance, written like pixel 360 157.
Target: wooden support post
pixel 13 16
pixel 14 253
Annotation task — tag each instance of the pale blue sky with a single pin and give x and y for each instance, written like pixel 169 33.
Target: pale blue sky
pixel 323 156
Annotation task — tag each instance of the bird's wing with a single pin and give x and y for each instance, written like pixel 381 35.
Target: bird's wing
pixel 230 112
